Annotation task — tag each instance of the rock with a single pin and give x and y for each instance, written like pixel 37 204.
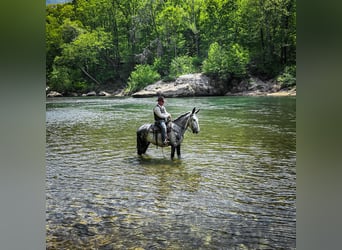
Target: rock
pixel 104 93
pixel 289 92
pixel 54 94
pixel 120 92
pixel 186 85
pixel 91 93
pixel 256 84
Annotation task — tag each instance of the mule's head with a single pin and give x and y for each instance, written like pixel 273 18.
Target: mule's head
pixel 193 121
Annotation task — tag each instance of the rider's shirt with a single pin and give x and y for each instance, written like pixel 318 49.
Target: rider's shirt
pixel 160 113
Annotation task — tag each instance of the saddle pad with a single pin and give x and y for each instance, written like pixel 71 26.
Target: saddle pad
pixel 156 128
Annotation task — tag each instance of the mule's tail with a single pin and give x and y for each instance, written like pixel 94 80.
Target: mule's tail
pixel 142 143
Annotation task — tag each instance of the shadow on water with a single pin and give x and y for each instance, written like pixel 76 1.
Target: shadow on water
pixel 149 160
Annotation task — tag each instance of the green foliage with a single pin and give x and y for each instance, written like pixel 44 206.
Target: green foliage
pixel 66 81
pixel 236 60
pixel 268 30
pixel 81 87
pixel 60 79
pixel 213 64
pixel 181 65
pixel 70 30
pixel 87 48
pixel 82 56
pixel 161 65
pixel 169 78
pixel 288 77
pixel 225 64
pixel 197 63
pixel 142 76
pixel 96 41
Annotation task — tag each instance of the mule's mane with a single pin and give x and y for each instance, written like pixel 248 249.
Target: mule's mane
pixel 181 117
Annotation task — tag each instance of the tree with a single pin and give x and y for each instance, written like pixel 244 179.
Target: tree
pixel 97 41
pixel 181 65
pixel 85 54
pixel 170 26
pixel 225 64
pixel 270 27
pixel 142 76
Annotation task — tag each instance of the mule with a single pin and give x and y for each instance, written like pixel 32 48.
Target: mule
pixel 151 133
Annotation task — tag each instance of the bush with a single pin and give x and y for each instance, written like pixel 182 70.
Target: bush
pixel 65 80
pixel 181 65
pixel 238 59
pixel 288 77
pixel 81 87
pixel 197 62
pixel 161 65
pixel 60 79
pixel 226 63
pixel 142 76
pixel 169 78
pixel 212 65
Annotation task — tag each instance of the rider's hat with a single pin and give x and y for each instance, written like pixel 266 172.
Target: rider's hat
pixel 160 98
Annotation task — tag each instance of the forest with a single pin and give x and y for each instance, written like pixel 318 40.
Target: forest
pixel 128 44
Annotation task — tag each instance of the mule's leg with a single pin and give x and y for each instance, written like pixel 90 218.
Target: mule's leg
pixel 172 152
pixel 142 148
pixel 142 144
pixel 178 151
pixel 139 144
pixel 145 147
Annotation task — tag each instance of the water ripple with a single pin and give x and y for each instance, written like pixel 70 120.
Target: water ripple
pixel 235 187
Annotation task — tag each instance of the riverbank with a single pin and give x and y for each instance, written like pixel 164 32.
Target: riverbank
pixel 199 85
pixel 256 87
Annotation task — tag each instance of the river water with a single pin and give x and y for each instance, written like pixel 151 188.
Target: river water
pixel 234 188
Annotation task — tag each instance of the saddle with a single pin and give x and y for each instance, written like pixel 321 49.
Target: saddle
pixel 157 129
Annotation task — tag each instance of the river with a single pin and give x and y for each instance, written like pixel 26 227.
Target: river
pixel 234 188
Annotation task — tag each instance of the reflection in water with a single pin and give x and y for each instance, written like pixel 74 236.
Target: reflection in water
pixel 171 176
pixel 233 189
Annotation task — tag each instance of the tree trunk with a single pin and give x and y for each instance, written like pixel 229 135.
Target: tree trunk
pixel 262 45
pixel 92 78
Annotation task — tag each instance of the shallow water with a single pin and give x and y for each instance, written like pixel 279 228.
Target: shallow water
pixel 234 188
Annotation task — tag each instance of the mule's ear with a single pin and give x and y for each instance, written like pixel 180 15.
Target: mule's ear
pixel 193 110
pixel 197 111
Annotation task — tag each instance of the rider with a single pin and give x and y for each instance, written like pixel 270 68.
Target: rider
pixel 161 116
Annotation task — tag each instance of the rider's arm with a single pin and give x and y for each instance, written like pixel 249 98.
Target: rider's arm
pixel 167 114
pixel 160 114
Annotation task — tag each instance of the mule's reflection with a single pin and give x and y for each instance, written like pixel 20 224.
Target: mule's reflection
pixel 172 177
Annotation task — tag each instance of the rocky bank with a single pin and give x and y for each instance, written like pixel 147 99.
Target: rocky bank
pixel 183 86
pixel 201 85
